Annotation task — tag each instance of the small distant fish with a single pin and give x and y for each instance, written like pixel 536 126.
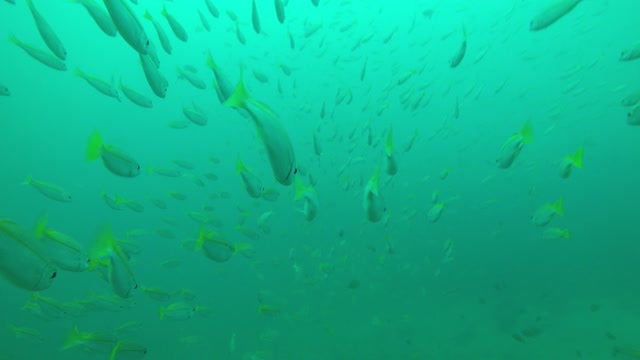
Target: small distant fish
pixel 512 147
pixel 547 212
pixel 162 35
pixel 556 234
pixel 114 159
pixel 552 14
pixel 251 182
pixel 48 35
pixel 630 100
pixel 192 78
pixel 255 17
pixel 212 8
pixel 459 55
pixel 135 97
pixel 108 89
pixel 177 28
pixel 631 53
pixel 633 117
pixel 391 163
pixel 374 204
pixel 4 91
pixel 40 55
pixel 569 162
pixel 204 21
pixel 308 193
pixel 51 191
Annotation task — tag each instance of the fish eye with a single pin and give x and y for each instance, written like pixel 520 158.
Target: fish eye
pixel 295 171
pixel 147 42
pixel 53 276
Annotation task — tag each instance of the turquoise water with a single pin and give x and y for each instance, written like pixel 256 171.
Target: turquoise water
pixel 479 282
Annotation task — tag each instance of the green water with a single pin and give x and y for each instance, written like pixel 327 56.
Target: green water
pixel 481 282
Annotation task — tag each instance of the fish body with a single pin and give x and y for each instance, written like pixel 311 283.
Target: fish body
pixel 128 25
pixel 512 147
pixel 114 159
pixel 552 14
pixel 48 35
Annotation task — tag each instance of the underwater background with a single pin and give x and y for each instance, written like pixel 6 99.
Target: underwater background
pixel 474 278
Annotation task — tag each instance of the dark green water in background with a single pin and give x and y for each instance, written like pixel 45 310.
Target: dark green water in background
pixel 481 282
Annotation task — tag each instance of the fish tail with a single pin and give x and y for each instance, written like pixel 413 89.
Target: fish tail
pixel 527 132
pixel 558 207
pixel 79 72
pixel 147 15
pixel 210 63
pixel 41 226
pixel 28 180
pixel 389 145
pixel 300 188
pixel 162 312
pixel 30 5
pixel 240 96
pixel 374 181
pixel 566 234
pixel 149 169
pixel 115 350
pixel 14 40
pixel 239 165
pixel 73 339
pixel 576 159
pixel 164 10
pixel 94 146
pixel 201 238
pixel 104 245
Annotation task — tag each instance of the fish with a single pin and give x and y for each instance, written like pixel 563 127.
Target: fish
pixel 224 86
pixel 4 90
pixel 631 53
pixel 194 115
pixel 203 21
pixel 98 341
pixel 212 8
pixel 51 191
pixel 569 162
pixel 391 163
pixel 99 16
pixel 630 100
pixel 114 159
pixel 374 204
pixel 308 193
pixel 279 11
pixel 40 55
pixel 108 89
pixel 128 25
pixel 156 80
pixel 512 147
pixel 119 272
pixel 24 261
pixel 556 234
pixel 456 59
pixel 633 117
pixel 175 26
pixel 251 182
pixel 48 35
pixel 65 252
pixel 181 311
pixel 110 201
pixel 255 18
pixel 214 245
pixel 128 349
pixel 162 35
pixel 547 212
pixel 552 14
pixel 135 97
pixel 271 132
pixel 192 78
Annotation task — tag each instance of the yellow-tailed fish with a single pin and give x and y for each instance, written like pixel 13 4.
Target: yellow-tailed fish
pixel 195 115
pixel 556 233
pixel 135 97
pixel 40 55
pixel 214 245
pixel 99 16
pixel 102 86
pixel 547 212
pixel 224 86
pixel 110 201
pixel 181 311
pixel 128 349
pixel 251 182
pixel 156 80
pixel 308 193
pixel 98 341
pixel 65 252
pixel 569 162
pixel 120 275
pixel 374 204
pixel 512 147
pixel 631 53
pixel 192 78
pixel 128 25
pixel 391 163
pixel 51 191
pixel 48 35
pixel 24 261
pixel 271 132
pixel 177 28
pixel 114 159
pixel 162 35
